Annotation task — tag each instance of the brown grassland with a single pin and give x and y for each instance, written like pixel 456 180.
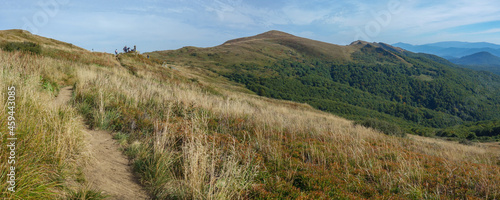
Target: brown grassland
pixel 193 135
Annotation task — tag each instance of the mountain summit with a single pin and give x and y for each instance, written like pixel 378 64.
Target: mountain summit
pixel 276 44
pixel 267 35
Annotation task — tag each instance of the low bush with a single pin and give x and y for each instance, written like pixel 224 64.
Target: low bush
pixel 383 126
pixel 22 46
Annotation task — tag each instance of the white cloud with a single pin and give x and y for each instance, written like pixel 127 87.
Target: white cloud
pixel 229 14
pixel 446 14
pixel 210 22
pixel 494 30
pixel 301 16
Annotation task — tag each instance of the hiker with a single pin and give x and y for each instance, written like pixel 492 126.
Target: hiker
pixel 135 48
pixel 128 49
pixel 125 49
pixel 148 56
pixel 116 52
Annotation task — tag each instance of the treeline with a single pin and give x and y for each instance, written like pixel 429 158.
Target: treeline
pixel 475 131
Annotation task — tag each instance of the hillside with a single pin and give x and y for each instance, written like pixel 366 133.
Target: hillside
pixel 17 35
pixel 191 134
pixel 358 81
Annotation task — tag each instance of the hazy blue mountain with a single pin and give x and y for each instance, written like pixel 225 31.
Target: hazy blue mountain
pixel 452 50
pixel 481 58
pixel 482 61
pixel 454 44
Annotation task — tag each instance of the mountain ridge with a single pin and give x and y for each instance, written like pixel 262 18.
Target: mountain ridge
pixel 458 44
pixel 452 49
pixel 467 54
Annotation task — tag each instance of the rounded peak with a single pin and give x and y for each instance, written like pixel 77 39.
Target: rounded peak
pixel 483 53
pixel 359 42
pixel 275 33
pixel 15 31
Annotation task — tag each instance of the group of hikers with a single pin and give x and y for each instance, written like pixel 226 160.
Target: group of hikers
pixel 126 50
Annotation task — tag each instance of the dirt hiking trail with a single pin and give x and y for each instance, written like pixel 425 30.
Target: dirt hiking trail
pixel 109 169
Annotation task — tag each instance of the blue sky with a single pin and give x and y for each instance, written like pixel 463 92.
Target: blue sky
pixel 172 24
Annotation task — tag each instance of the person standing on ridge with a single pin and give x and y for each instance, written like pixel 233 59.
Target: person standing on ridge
pixel 116 52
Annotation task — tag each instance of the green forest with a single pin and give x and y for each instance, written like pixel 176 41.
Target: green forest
pixel 414 95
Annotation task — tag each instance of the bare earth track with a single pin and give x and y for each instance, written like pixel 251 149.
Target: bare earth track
pixel 109 170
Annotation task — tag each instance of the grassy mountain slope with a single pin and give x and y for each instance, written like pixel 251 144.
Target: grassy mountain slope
pixel 191 134
pixel 17 35
pixel 260 49
pixel 358 81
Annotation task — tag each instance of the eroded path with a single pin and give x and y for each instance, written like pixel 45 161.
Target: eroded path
pixel 109 169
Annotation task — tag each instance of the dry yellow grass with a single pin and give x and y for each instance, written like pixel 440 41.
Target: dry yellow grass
pixel 49 138
pixel 270 128
pixel 477 153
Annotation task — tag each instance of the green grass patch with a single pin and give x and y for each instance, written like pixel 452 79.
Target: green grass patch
pixel 30 47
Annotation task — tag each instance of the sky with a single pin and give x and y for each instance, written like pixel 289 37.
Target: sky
pixel 171 24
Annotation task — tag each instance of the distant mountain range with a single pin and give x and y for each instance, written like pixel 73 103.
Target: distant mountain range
pixel 452 50
pixel 478 56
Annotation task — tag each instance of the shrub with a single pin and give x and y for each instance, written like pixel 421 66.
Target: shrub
pixel 23 46
pixel 465 141
pixel 383 126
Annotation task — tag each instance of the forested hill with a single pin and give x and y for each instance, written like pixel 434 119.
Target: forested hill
pixel 358 81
